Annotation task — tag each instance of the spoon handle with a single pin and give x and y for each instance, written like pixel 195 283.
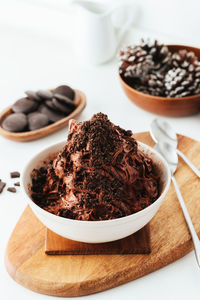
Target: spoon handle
pixel 188 162
pixel 194 236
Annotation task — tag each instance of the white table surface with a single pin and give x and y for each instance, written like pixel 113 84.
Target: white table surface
pixel 31 61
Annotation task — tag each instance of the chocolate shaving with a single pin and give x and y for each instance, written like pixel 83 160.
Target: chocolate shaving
pixel 14 174
pixel 11 189
pixel 2 185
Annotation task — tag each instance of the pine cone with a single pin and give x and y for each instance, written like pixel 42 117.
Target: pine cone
pixel 138 61
pixel 153 84
pixel 184 78
pixel 181 83
pixel 184 59
pixel 159 52
pixel 135 62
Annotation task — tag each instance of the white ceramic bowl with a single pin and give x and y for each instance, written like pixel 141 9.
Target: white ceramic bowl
pixel 95 231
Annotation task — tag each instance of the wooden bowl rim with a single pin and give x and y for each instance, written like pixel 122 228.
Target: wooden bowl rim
pixel 79 96
pixel 150 97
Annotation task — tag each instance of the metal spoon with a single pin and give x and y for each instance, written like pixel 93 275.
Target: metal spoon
pixel 161 131
pixel 169 153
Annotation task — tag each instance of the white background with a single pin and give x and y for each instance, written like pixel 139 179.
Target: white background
pixel 36 51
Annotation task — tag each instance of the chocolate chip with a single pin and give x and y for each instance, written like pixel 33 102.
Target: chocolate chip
pixel 44 94
pixel 65 100
pixel 33 96
pixel 52 115
pixel 37 120
pixel 65 90
pixel 15 122
pixel 11 189
pixel 14 174
pixel 24 105
pixel 17 183
pixel 2 185
pixel 61 107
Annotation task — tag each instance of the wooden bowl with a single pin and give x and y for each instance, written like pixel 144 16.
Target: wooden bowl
pixel 80 102
pixel 172 107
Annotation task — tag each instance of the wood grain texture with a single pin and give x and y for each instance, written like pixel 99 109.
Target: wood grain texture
pixel 175 107
pixel 76 275
pixel 80 102
pixel 137 243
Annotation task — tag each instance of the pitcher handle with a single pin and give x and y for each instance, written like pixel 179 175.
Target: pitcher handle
pixel 129 20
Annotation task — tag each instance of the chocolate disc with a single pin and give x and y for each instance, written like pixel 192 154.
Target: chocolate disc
pixel 24 105
pixel 61 107
pixel 37 120
pixel 65 90
pixel 51 114
pixel 44 94
pixel 50 104
pixel 30 115
pixel 65 100
pixel 33 96
pixel 15 122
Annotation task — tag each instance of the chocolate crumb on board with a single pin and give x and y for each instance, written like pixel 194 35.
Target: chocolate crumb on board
pixel 11 189
pixel 17 183
pixel 2 185
pixel 14 174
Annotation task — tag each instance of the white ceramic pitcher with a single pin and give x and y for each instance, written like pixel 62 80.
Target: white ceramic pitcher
pixel 96 39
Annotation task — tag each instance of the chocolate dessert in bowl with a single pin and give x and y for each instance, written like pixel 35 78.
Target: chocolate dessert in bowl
pixel 99 186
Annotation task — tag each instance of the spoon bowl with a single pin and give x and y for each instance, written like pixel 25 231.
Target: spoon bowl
pixel 162 132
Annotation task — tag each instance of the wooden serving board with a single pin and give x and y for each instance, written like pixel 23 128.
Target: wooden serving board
pixel 76 275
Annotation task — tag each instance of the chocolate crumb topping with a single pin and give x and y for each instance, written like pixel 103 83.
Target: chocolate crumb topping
pixel 100 174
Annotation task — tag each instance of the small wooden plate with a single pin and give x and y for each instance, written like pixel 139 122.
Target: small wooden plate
pixel 80 102
pixel 172 107
pixel 136 243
